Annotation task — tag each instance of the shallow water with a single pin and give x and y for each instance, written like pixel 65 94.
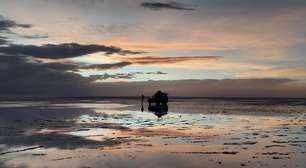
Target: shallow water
pixel 114 133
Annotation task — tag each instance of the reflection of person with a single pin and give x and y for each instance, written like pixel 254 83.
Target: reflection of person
pixel 142 97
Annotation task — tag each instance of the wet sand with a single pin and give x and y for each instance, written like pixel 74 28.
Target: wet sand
pixel 114 133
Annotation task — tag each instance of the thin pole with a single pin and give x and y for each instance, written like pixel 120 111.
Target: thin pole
pixel 142 97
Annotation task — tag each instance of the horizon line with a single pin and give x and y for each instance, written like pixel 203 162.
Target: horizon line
pixel 3 98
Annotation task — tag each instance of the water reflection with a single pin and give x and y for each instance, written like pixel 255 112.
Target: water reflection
pixel 99 133
pixel 161 112
pixel 158 109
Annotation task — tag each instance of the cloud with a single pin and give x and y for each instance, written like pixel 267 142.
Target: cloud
pixel 60 51
pixel 75 67
pixel 156 73
pixel 165 60
pixel 25 76
pixel 36 36
pixel 6 25
pixel 169 5
pixel 106 66
pixel 113 76
pixel 10 61
pixel 130 75
pixel 151 73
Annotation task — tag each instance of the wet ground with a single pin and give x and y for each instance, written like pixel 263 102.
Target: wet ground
pixel 114 133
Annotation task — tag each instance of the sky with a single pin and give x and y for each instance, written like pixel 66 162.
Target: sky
pixel 215 48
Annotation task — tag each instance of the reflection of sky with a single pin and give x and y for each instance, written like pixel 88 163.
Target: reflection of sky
pixel 179 139
pixel 246 33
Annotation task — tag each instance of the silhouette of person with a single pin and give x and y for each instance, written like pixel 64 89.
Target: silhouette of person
pixel 159 97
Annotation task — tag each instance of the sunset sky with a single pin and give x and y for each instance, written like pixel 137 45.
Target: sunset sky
pixel 110 47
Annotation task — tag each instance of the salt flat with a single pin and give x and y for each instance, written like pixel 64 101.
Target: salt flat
pixel 114 133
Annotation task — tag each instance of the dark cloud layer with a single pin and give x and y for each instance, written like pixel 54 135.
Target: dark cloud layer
pixel 60 51
pixel 168 5
pixel 23 76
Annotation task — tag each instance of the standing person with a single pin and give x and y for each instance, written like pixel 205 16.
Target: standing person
pixel 158 97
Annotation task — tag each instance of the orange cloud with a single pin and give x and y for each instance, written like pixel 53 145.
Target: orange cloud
pixel 148 60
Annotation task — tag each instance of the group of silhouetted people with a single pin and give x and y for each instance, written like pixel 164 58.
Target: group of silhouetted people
pixel 158 103
pixel 160 98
